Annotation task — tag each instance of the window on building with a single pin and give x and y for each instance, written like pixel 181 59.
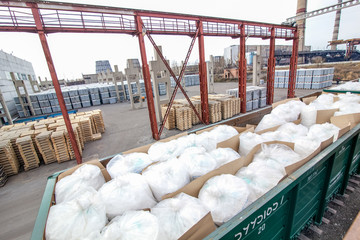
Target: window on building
pixel 23 77
pixel 18 76
pixel 8 76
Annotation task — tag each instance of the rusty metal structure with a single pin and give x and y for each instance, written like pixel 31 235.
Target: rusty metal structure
pixel 350 45
pixel 51 17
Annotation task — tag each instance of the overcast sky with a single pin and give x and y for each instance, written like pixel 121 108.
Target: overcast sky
pixel 75 54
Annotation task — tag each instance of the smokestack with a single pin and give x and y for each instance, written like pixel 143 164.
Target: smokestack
pixel 301 9
pixel 336 27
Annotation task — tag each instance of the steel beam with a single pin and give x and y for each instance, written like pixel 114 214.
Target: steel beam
pixel 55 81
pixel 202 76
pixel 147 79
pixel 293 66
pixel 271 70
pixel 242 69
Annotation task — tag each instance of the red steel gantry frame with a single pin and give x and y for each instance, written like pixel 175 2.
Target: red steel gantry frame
pixel 51 17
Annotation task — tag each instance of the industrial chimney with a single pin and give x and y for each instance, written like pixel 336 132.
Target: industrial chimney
pixel 336 27
pixel 301 9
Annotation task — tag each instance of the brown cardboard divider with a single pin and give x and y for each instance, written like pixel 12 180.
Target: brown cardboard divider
pixel 295 166
pixel 345 120
pixel 234 141
pixel 201 229
pixel 274 105
pixel 324 116
pixel 309 100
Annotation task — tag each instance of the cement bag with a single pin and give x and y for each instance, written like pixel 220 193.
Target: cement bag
pixel 85 177
pixel 130 163
pixel 166 177
pixel 248 141
pixel 269 121
pixel 205 140
pixel 126 192
pixel 323 131
pixel 225 195
pixel 224 155
pixel 223 132
pixel 197 161
pixel 132 225
pixel 305 146
pixel 79 218
pixel 260 177
pixel 280 153
pixel 308 116
pixel 163 151
pixel 292 131
pixel 177 215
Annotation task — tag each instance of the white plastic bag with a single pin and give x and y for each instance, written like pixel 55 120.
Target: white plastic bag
pixel 132 225
pixel 224 155
pixel 177 215
pixel 280 153
pixel 126 192
pixel 197 161
pixel 248 141
pixel 163 151
pixel 205 140
pixel 305 146
pixel 85 177
pixel 269 121
pixel 276 136
pixel 225 195
pixel 324 131
pixel 288 111
pixel 166 177
pixel 79 218
pixel 308 116
pixel 223 132
pixel 260 177
pixel 292 131
pixel 130 163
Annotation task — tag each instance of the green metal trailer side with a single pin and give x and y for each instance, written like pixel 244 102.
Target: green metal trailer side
pixel 340 91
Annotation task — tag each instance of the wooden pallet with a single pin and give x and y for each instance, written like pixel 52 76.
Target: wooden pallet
pixel 8 158
pixel 98 121
pixel 45 147
pixel 60 146
pixel 28 152
pixel 85 125
pixel 13 136
pixel 68 142
pixel 171 120
pixel 183 118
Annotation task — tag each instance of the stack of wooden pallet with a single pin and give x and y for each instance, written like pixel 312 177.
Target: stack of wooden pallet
pixel 8 158
pixel 86 129
pixel 3 176
pixel 45 146
pixel 183 118
pixel 28 152
pixel 98 121
pixel 68 142
pixel 60 146
pixel 171 120
pixel 214 111
pixel 197 105
pixel 13 136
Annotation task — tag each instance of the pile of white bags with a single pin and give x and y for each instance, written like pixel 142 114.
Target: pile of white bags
pixel 84 178
pixel 224 155
pixel 279 153
pixel 80 218
pixel 166 177
pixel 132 225
pixel 177 215
pixel 130 163
pixel 198 162
pixel 126 192
pixel 225 195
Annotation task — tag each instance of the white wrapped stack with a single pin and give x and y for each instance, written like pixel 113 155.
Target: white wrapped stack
pixel 132 225
pixel 80 218
pixel 84 179
pixel 166 177
pixel 126 192
pixel 177 215
pixel 225 195
pixel 130 163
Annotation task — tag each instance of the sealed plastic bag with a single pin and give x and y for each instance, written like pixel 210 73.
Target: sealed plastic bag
pixel 324 131
pixel 79 218
pixel 248 141
pixel 205 140
pixel 130 163
pixel 280 153
pixel 308 116
pixel 276 136
pixel 163 151
pixel 126 192
pixel 166 177
pixel 225 195
pixel 260 177
pixel 269 121
pixel 289 111
pixel 305 146
pixel 177 215
pixel 292 131
pixel 197 161
pixel 223 132
pixel 224 155
pixel 132 225
pixel 85 177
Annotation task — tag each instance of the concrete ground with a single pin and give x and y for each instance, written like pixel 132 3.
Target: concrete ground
pixel 20 198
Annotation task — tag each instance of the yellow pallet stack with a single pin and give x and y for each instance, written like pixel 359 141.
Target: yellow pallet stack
pixel 45 147
pixel 60 146
pixel 8 158
pixel 171 119
pixel 183 118
pixel 214 111
pixel 98 121
pixel 28 152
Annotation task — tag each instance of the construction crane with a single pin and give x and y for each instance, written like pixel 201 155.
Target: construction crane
pixel 350 45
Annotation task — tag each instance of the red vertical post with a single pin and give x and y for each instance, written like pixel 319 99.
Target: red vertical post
pixel 147 79
pixel 293 66
pixel 242 69
pixel 203 76
pixel 50 63
pixel 271 70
